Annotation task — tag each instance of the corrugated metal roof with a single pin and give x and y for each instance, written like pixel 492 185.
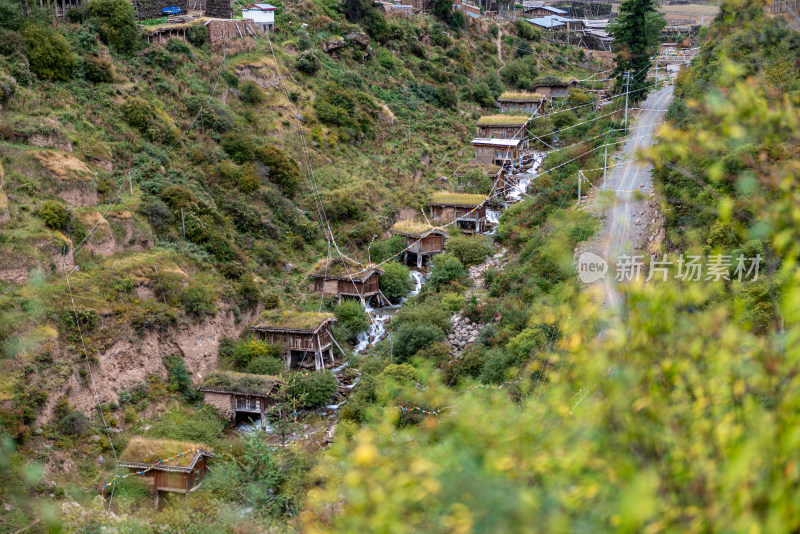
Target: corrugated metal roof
pixel 553 10
pixel 546 22
pixel 263 7
pixel 483 141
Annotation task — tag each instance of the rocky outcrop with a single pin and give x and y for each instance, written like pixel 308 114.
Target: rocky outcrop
pixel 463 333
pixel 333 45
pixel 359 38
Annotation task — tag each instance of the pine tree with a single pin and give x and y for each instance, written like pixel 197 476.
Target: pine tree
pixel 636 36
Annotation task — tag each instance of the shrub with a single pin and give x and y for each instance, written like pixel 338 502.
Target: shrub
pixel 150 120
pixel 157 212
pixel 98 69
pixel 179 46
pixel 476 181
pixel 179 379
pixel 73 423
pixel 446 97
pixel 469 249
pixel 576 96
pixel 311 390
pixel 247 351
pixel 520 72
pixel 352 318
pixel 411 338
pixel 54 214
pixel 562 120
pixel 215 114
pixel 198 300
pixel 283 170
pixel 428 313
pixel 447 268
pixel 265 366
pixel 452 302
pixel 116 20
pixel 201 424
pixel 395 282
pixel 495 367
pixel 527 31
pixel 197 35
pixel 384 249
pixel 251 93
pixel 482 94
pixel 240 148
pixel 49 54
pixel 402 373
pixel 308 62
pixel 523 48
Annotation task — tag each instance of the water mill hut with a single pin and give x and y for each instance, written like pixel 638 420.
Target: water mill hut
pixel 504 127
pixel 531 103
pixel 468 210
pixel 343 277
pixel 305 336
pixel 240 397
pixel 497 151
pixel 422 240
pixel 174 466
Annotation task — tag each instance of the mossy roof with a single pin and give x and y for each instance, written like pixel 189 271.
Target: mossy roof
pixel 521 96
pixel 244 383
pixel 334 268
pixel 412 227
pixel 503 120
pixel 149 451
pixel 292 320
pixel 457 199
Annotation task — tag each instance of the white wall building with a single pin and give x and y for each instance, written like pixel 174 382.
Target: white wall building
pixel 262 15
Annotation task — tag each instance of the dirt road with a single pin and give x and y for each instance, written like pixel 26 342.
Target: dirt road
pixel 625 228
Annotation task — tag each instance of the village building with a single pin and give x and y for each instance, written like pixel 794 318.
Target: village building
pixel 469 211
pixel 504 127
pixel 342 277
pixel 468 9
pixel 240 397
pixel 530 103
pixel 262 15
pixel 305 336
pixel 558 89
pixel 422 240
pixel 497 151
pixel 557 22
pixel 541 9
pixel 173 466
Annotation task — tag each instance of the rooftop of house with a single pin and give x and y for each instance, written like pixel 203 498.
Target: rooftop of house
pixel 509 143
pixel 293 320
pixel 503 120
pixel 165 451
pixel 532 4
pixel 263 7
pixel 510 96
pixel 347 269
pixel 412 227
pixel 550 21
pixel 553 10
pixel 445 198
pixel 244 383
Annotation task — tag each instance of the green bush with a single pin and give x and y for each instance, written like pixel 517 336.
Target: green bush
pixel 311 390
pixel 98 69
pixel 179 46
pixel 352 318
pixel 476 181
pixel 446 97
pixel 527 31
pixel 49 54
pixel 265 365
pixel 198 300
pixel 150 120
pixel 520 72
pixel 308 62
pixel 482 94
pixel 283 170
pixel 452 302
pixel 197 35
pixel 157 212
pixel 346 108
pixel 179 379
pixel 562 120
pixel 383 249
pixel 55 214
pixel 216 115
pixel 116 20
pixel 240 148
pixel 201 424
pixel 251 93
pixel 469 249
pixel 247 351
pixel 496 365
pixel 73 423
pixel 402 373
pixel 447 268
pixel 395 282
pixel 411 338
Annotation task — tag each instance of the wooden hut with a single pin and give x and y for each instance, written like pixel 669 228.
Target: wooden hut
pixel 305 336
pixel 422 240
pixel 174 466
pixel 240 396
pixel 497 151
pixel 468 210
pixel 530 103
pixel 342 277
pixel 555 89
pixel 504 127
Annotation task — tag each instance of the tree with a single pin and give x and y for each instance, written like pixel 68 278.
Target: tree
pixel 395 281
pixel 116 20
pixel 636 35
pixel 49 53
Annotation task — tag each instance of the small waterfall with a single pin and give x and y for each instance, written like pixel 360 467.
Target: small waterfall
pixel 520 188
pixel 256 426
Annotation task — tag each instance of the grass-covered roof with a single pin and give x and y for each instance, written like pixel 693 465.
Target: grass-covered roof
pixel 411 227
pixel 292 320
pixel 521 96
pixel 457 199
pixel 340 268
pixel 502 120
pixel 149 451
pixel 244 383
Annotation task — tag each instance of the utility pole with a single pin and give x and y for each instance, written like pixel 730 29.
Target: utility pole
pixel 605 166
pixel 627 90
pixel 580 178
pixel 656 72
pixel 183 224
